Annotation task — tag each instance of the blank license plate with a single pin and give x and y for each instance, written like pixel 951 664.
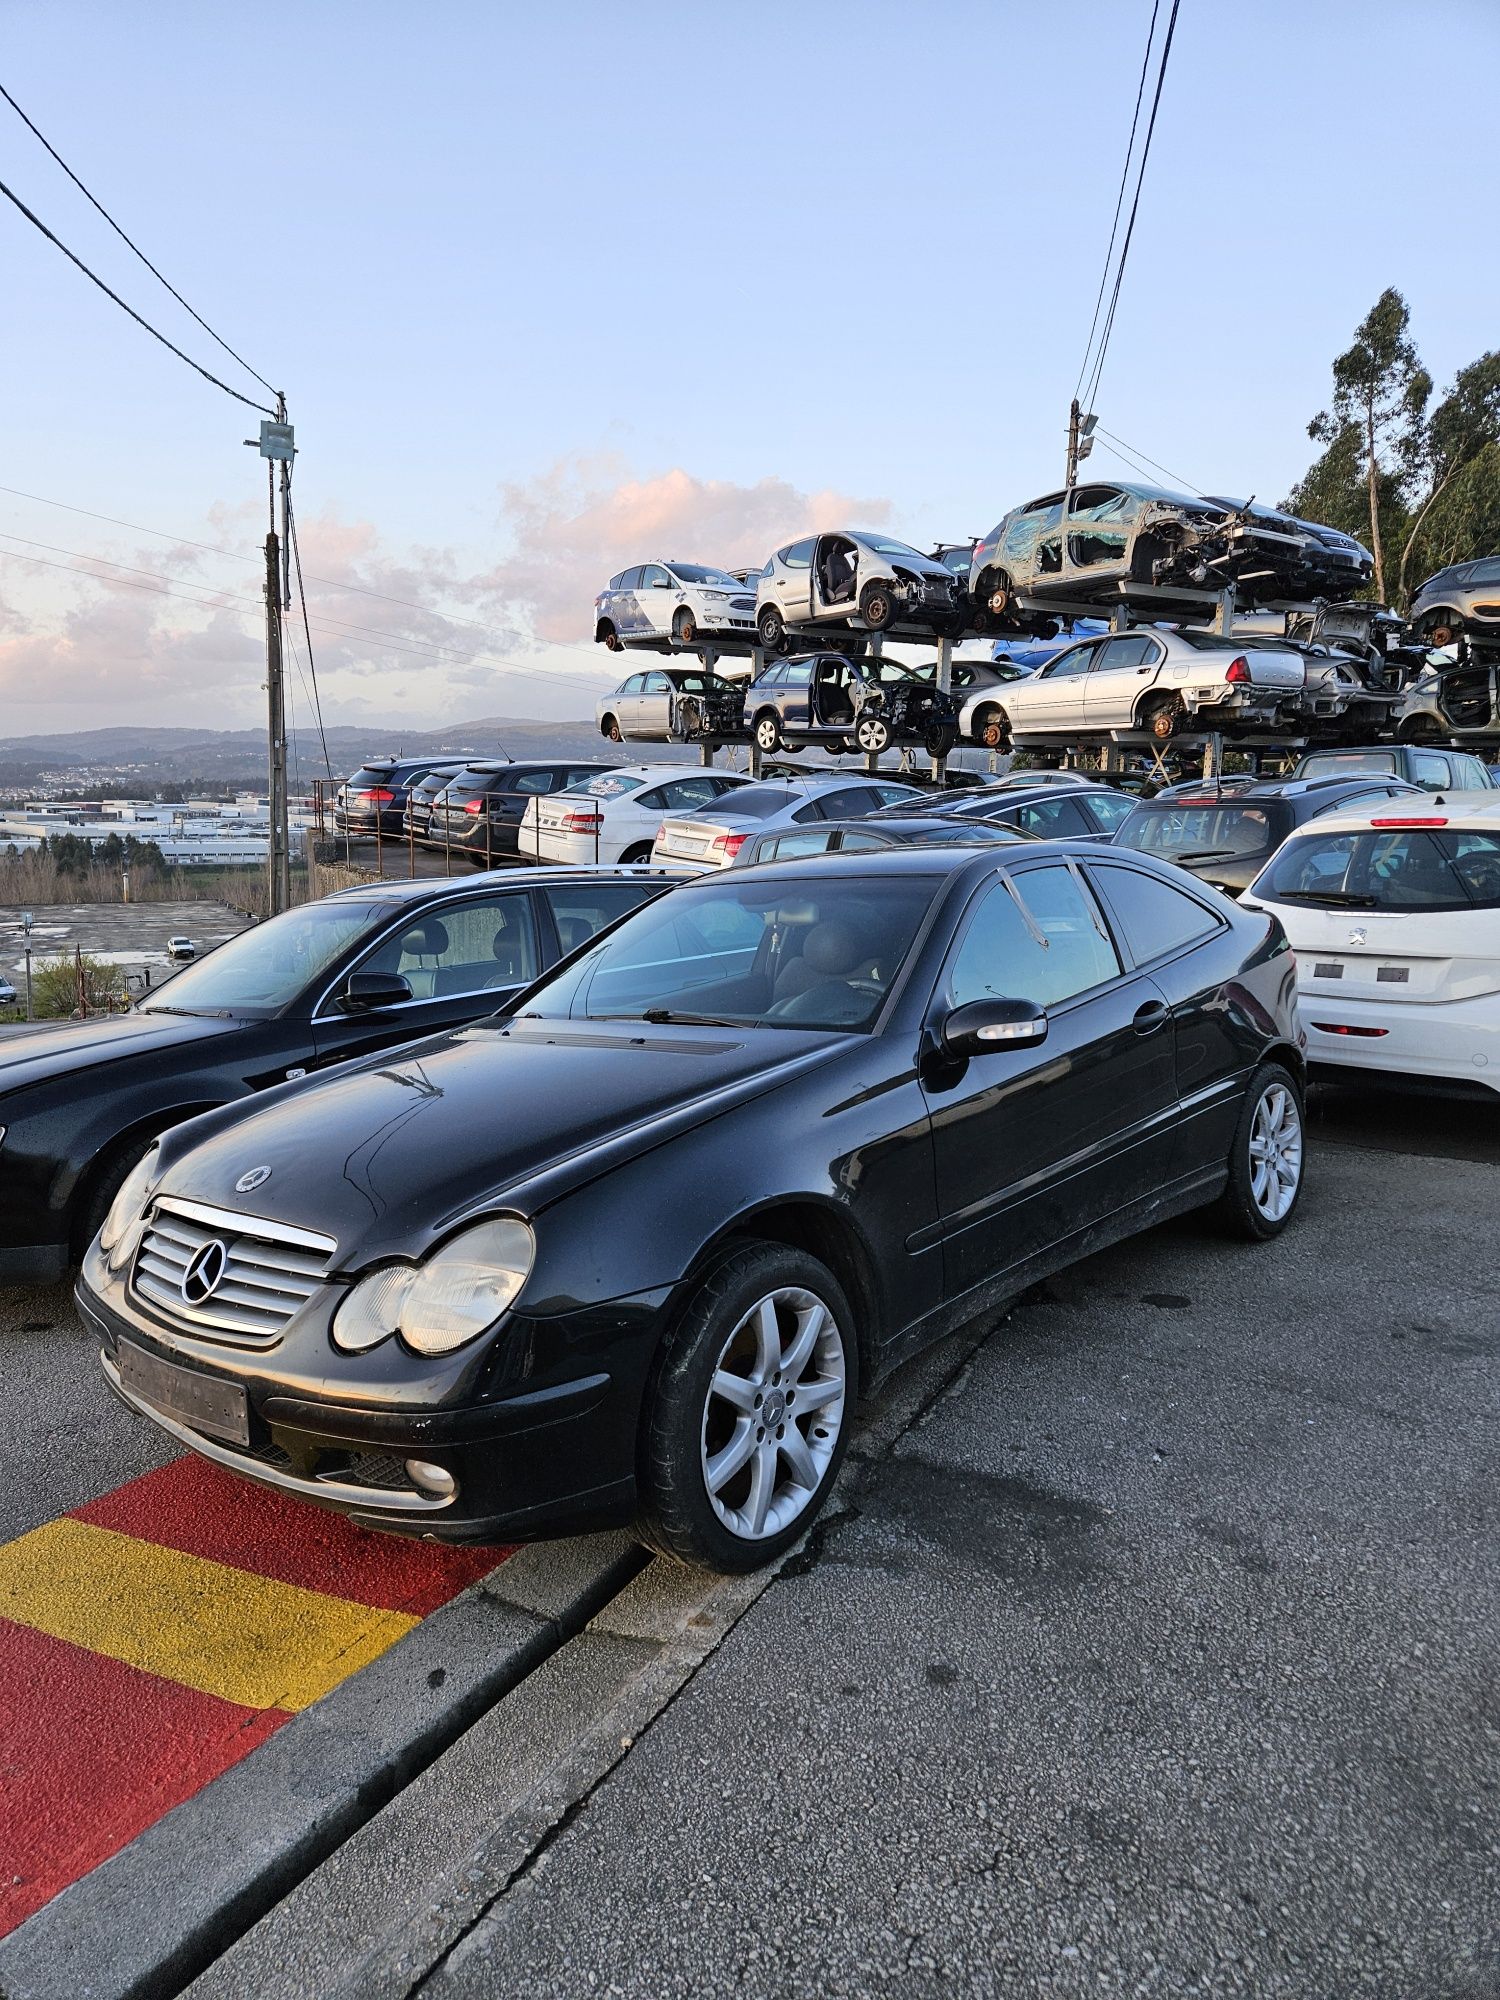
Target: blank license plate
pixel 201 1401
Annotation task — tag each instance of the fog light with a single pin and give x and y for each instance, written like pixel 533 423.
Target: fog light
pixel 431 1479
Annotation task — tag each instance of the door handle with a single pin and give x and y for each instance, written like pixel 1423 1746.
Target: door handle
pixel 1145 670
pixel 1152 1016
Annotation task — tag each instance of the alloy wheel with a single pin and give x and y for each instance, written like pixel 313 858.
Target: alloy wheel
pixel 774 1413
pixel 1275 1152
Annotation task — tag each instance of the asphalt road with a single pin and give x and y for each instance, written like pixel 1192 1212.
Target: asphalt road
pixel 1160 1659
pixel 130 935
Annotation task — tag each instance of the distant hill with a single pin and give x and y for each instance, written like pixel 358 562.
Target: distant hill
pixel 170 756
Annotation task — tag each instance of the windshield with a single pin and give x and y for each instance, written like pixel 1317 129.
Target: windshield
pixel 750 802
pixel 748 954
pixel 264 969
pixel 1388 868
pixel 882 547
pixel 608 785
pixel 696 573
pixel 1334 763
pixel 1188 831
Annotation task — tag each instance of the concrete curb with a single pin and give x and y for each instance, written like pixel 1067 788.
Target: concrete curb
pixel 146 1921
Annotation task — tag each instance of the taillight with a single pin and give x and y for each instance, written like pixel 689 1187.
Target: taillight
pixel 1238 670
pixel 1340 1028
pixel 729 844
pixel 474 806
pixel 582 822
pixel 376 798
pixel 1409 822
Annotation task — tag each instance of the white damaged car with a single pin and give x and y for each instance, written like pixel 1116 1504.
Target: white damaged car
pixel 662 605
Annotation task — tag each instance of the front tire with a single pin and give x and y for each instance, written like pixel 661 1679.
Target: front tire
pixel 1266 1157
pixel 877 606
pixel 873 734
pixel 684 628
pixel 749 1414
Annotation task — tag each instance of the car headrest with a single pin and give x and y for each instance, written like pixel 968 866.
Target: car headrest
pixel 427 939
pixel 832 947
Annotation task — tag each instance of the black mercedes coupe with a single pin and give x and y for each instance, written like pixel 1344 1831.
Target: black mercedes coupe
pixel 631 1249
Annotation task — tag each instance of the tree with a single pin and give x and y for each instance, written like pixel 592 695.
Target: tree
pixel 1463 461
pixel 55 986
pixel 1380 396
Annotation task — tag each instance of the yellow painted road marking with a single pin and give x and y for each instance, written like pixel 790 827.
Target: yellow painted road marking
pixel 224 1631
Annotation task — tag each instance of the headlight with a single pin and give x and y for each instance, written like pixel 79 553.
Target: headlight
pixel 118 1237
pixel 452 1298
pixel 716 597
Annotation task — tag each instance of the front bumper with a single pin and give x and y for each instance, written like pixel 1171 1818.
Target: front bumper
pixel 553 1458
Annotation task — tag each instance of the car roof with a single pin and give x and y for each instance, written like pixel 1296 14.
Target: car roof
pixel 943 861
pixel 1480 810
pixel 412 889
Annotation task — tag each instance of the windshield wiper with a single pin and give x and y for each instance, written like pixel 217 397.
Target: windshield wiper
pixel 661 1016
pixel 1341 898
pixel 196 1013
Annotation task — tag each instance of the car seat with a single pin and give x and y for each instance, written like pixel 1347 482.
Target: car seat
pixel 426 940
pixel 572 932
pixel 510 954
pixel 816 985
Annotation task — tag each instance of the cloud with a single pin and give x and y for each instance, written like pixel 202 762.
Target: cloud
pixel 585 518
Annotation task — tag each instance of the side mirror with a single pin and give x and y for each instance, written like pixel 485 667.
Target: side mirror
pixel 368 991
pixel 661 583
pixel 983 1027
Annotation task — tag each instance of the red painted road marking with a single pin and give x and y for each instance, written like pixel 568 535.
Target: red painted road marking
pixel 91 1753
pixel 194 1506
pixel 94 1750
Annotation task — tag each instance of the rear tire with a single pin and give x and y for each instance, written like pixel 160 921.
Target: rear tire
pixel 634 855
pixel 1160 719
pixel 1265 1158
pixel 732 1358
pixel 770 627
pixel 768 732
pixel 611 728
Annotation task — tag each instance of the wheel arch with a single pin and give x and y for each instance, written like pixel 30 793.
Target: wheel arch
pixel 133 1138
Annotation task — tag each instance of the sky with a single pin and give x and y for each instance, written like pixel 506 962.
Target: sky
pixel 554 289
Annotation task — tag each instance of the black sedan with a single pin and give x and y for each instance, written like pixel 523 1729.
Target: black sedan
pixel 374 799
pixel 1050 811
pixel 634 1249
pixel 1227 835
pixel 359 971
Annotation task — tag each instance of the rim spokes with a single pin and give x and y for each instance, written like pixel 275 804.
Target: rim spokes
pixel 762 1487
pixel 734 1456
pixel 800 1461
pixel 1275 1153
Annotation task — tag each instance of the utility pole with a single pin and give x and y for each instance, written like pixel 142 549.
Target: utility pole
pixel 277 446
pixel 1080 440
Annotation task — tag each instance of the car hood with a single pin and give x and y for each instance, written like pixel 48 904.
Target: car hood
pixel 387 1156
pixel 39 1054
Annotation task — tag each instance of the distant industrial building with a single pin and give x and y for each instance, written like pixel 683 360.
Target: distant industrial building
pixel 202 833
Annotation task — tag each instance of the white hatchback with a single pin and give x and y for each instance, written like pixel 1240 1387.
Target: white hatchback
pixel 614 815
pixel 1394 914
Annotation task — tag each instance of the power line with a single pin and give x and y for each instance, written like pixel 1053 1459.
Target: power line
pixel 1140 91
pixel 336 627
pixel 240 556
pixel 1130 449
pixel 291 523
pixel 1161 77
pixel 135 246
pixel 94 278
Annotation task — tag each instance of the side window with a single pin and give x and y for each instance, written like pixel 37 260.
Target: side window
pixel 686 794
pixel 799 555
pixel 812 810
pixel 1135 649
pixel 1052 819
pixel 1429 770
pixel 1108 809
pixel 630 579
pixel 634 685
pixel 1154 916
pixel 657 684
pixel 652 801
pixel 797 676
pixel 856 841
pixel 1044 948
pixel 463 948
pixel 895 795
pixel 533 781
pixel 654 576
pixel 578 913
pixel 1077 660
pixel 854 802
pixel 721 784
pixel 787 846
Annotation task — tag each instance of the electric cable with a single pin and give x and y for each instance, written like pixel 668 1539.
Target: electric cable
pixel 1109 321
pixel 135 246
pixel 1140 92
pixel 1134 452
pixel 291 524
pixel 171 346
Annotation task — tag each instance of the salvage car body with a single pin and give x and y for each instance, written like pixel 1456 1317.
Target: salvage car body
pixel 665 604
pixel 861 581
pixel 637 1154
pixel 655 706
pixel 1335 564
pixel 860 705
pixel 1151 680
pixel 1461 600
pixel 1094 544
pixel 1456 693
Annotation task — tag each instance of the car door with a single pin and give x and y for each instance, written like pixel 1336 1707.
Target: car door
pixel 1059 818
pixel 1121 669
pixel 1034 1145
pixel 794 697
pixel 1052 698
pixel 791 580
pixel 653 709
pixel 1097 533
pixel 578 912
pixel 461 959
pixel 657 597
pixel 630 619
